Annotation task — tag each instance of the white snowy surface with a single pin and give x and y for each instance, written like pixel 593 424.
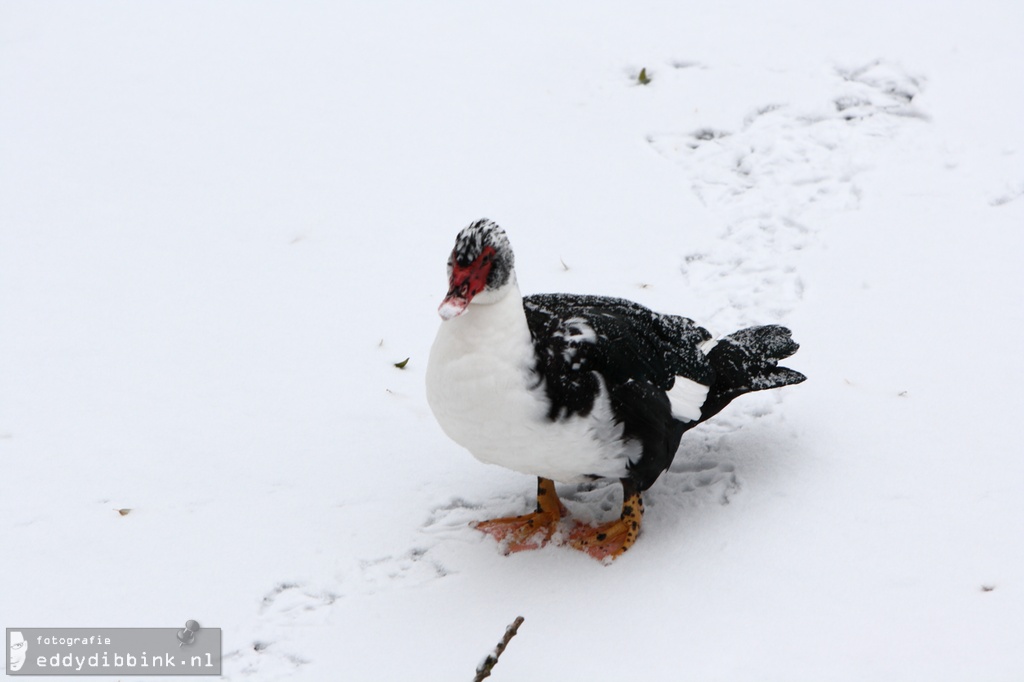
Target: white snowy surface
pixel 221 224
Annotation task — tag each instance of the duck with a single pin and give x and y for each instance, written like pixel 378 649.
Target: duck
pixel 573 388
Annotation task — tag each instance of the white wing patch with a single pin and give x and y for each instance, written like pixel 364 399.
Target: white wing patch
pixel 687 397
pixel 706 347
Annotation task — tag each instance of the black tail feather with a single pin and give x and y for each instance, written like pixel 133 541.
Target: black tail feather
pixel 747 361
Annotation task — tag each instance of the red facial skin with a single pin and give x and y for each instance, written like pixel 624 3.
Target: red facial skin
pixel 465 283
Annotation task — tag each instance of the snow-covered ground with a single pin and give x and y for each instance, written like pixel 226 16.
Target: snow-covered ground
pixel 221 224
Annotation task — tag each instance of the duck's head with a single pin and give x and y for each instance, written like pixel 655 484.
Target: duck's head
pixel 480 269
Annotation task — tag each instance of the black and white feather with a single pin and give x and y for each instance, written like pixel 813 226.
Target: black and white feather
pixel 573 387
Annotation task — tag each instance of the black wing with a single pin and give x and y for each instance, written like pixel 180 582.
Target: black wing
pixel 638 352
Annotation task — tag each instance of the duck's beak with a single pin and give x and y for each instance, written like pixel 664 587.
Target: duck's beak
pixel 459 295
pixel 453 305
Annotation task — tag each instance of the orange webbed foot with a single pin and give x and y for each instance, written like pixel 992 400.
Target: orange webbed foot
pixel 520 533
pixel 529 531
pixel 608 541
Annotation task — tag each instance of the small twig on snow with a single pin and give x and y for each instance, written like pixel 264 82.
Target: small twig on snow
pixel 484 669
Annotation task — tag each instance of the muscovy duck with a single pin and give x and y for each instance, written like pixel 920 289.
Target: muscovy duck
pixel 573 388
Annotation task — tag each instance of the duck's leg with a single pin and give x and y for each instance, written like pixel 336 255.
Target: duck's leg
pixel 609 540
pixel 530 531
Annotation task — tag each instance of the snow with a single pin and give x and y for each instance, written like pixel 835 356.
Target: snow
pixel 222 224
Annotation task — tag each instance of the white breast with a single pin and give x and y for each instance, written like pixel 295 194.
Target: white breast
pixel 484 393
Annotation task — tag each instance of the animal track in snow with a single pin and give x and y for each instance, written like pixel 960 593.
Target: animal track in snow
pixel 294 600
pixel 1006 195
pixel 263 660
pixel 270 655
pixel 707 476
pixel 273 655
pixel 414 567
pixel 453 515
pixel 772 179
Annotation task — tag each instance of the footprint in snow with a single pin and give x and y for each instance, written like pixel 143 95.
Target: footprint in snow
pixel 1006 195
pixel 290 604
pixel 774 177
